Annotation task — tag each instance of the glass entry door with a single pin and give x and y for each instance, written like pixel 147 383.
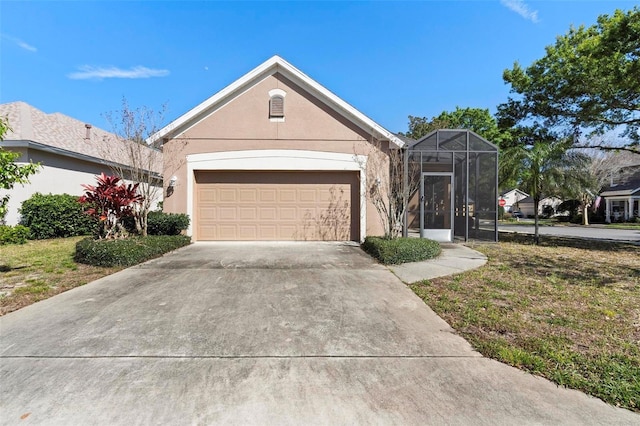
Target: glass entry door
pixel 436 216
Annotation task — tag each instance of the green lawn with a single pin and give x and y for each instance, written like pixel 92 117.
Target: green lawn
pixel 565 310
pixel 623 225
pixel 40 269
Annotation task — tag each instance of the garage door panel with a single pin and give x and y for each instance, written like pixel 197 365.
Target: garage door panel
pixel 248 232
pixel 268 213
pixel 207 195
pixel 286 195
pixel 268 195
pixel 248 195
pixel 277 206
pixel 227 213
pixel 248 213
pixel 227 195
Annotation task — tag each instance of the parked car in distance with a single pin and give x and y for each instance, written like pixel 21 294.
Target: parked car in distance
pixel 518 215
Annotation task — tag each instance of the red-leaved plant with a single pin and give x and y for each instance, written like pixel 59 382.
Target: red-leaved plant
pixel 110 201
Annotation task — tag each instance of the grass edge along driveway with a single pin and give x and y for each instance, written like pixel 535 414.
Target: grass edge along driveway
pixel 41 269
pixel 567 310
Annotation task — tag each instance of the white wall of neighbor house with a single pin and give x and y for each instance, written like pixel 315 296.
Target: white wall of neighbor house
pixel 58 175
pixel 48 180
pixel 511 198
pixel 527 208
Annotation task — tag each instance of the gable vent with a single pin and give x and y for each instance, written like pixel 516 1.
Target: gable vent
pixel 276 106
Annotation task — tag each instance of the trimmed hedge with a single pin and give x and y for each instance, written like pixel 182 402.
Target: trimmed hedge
pixel 159 223
pixel 127 252
pixel 400 250
pixel 56 216
pixel 13 234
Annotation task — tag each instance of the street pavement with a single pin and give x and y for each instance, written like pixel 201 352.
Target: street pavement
pixel 591 232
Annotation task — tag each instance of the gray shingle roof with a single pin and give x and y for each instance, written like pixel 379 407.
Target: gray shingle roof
pixel 63 132
pixel 629 185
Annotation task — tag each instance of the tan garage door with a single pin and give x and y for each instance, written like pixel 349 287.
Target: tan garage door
pixel 276 206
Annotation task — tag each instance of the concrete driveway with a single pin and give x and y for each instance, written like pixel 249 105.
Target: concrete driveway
pixel 261 333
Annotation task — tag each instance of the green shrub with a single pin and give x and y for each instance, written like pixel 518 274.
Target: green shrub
pixel 13 234
pixel 56 216
pixel 127 252
pixel 401 250
pixel 159 223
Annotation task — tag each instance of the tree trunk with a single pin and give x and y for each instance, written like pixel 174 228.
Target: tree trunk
pixel 536 203
pixel 585 214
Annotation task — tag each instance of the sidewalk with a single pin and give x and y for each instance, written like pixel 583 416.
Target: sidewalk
pixel 454 259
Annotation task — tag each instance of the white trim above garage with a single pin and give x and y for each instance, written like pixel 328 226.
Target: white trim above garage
pixel 280 160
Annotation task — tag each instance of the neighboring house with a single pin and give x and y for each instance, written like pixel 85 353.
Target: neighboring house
pixel 71 153
pixel 527 208
pixel 274 156
pixel 511 198
pixel 622 198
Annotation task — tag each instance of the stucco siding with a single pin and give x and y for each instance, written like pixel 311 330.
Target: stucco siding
pixel 58 175
pixel 63 176
pixel 244 124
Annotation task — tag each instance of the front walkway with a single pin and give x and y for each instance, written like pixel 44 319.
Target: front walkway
pixel 454 259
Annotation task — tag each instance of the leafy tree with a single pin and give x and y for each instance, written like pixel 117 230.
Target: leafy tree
pixel 476 119
pixel 570 206
pixel 543 166
pixel 589 79
pixel 10 172
pixel 110 202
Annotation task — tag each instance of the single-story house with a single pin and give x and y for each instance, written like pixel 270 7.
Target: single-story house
pixel 622 198
pixel 526 205
pixel 70 151
pixel 275 156
pixel 511 198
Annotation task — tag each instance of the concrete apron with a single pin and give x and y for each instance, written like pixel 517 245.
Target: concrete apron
pixel 258 333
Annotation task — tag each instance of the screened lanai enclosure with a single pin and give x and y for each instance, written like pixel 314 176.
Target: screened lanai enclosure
pixel 453 179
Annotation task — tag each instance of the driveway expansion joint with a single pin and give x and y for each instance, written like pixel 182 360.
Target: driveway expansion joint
pixel 245 357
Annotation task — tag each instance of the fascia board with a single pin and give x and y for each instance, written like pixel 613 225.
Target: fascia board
pixel 37 146
pixel 271 66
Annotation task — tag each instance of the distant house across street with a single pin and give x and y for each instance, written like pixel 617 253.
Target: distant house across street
pixel 527 207
pixel 622 197
pixel 512 198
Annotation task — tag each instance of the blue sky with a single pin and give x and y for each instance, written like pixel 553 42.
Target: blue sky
pixel 387 59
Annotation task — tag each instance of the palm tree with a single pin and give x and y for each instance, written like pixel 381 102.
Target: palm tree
pixel 542 164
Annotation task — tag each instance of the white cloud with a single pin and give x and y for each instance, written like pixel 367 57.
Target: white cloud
pixel 88 72
pixel 522 9
pixel 20 43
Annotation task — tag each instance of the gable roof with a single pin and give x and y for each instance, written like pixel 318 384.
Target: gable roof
pixel 629 185
pixel 65 135
pixel 529 200
pixel 503 193
pixel 273 65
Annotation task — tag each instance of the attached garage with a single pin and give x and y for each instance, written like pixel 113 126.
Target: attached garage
pixel 276 205
pixel 276 156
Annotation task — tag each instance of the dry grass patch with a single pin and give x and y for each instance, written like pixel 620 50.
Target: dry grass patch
pixel 568 310
pixel 40 269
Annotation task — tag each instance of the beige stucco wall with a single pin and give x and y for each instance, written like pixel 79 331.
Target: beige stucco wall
pixel 244 124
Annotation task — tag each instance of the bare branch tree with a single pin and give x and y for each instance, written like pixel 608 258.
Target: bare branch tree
pixel 131 158
pixel 388 187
